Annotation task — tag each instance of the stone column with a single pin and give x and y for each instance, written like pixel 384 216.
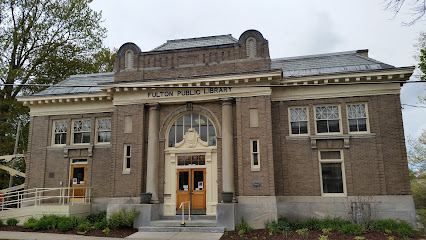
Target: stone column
pixel 227 147
pixel 153 154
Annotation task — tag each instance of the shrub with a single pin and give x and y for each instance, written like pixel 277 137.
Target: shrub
pixel 334 223
pixel 314 224
pixel 30 223
pixel 65 225
pixel 352 229
pixel 12 222
pixel 100 225
pixel 83 228
pixel 48 222
pixel 404 229
pixel 272 227
pixel 122 219
pixel 1 222
pixel 421 217
pixel 303 232
pixel 294 225
pixel 385 224
pixel 244 226
pixel 106 231
pixel 76 221
pixel 98 217
pixel 323 237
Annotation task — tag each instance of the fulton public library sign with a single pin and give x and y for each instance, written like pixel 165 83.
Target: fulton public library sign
pixel 189 92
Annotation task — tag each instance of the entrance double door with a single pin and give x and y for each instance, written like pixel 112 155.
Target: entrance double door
pixel 191 187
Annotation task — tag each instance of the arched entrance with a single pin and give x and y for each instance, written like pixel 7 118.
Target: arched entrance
pixel 191 164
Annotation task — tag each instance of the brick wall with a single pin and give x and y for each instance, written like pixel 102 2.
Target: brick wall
pixel 374 165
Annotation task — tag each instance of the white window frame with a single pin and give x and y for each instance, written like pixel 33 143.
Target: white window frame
pixel 127 155
pixel 342 165
pixel 340 119
pixel 97 131
pixel 252 153
pixel 54 133
pixel 367 120
pixel 73 132
pixel 307 121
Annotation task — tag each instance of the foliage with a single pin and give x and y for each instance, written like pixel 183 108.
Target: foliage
pixel 405 232
pixel 65 225
pixel 272 227
pixel 1 222
pixel 323 237
pixel 243 227
pixel 326 230
pixel 30 223
pixel 352 229
pixel 12 222
pixel 417 150
pixel 106 231
pixel 421 217
pixel 83 228
pixel 303 232
pixel 97 217
pixel 359 238
pixel 76 221
pixel 100 225
pixel 44 42
pixel 384 225
pixel 122 218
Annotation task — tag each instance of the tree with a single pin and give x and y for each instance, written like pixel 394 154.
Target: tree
pixel 43 42
pixel 417 9
pixel 417 153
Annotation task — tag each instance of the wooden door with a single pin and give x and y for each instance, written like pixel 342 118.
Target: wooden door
pixel 78 179
pixel 183 188
pixel 191 186
pixel 198 188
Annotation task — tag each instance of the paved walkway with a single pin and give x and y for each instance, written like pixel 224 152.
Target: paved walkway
pixel 138 235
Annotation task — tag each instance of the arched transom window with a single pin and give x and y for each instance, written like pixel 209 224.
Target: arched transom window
pixel 201 124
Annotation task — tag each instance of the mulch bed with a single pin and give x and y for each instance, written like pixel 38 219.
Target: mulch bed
pixel 115 233
pixel 262 234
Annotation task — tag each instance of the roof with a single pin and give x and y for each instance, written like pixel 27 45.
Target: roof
pixel 196 42
pixel 84 83
pixel 331 63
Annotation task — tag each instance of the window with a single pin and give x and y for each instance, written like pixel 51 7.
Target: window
pixel 127 158
pixel 60 132
pixel 201 124
pixel 332 173
pixel 128 60
pixel 254 149
pixel 298 120
pixel 357 117
pixel 103 130
pixel 81 131
pixel 327 119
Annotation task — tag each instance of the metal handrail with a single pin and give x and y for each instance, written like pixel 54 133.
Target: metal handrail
pixel 182 205
pixel 36 196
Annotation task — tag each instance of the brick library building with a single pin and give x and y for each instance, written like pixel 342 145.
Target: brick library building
pixel 204 121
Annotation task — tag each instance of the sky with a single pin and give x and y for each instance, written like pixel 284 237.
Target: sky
pixel 293 28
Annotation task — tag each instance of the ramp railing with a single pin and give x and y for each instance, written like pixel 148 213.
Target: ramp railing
pixel 38 196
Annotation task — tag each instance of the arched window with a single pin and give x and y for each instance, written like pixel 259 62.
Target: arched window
pixel 128 60
pixel 201 124
pixel 251 47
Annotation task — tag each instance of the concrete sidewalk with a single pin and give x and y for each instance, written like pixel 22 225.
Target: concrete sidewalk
pixel 138 235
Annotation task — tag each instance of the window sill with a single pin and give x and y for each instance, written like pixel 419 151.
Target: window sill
pixel 127 172
pixel 104 145
pixel 333 195
pixel 255 169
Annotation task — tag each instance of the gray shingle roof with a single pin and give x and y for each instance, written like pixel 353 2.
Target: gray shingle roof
pixel 84 83
pixel 196 42
pixel 330 63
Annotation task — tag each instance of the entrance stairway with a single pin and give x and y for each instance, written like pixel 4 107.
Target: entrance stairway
pixel 198 223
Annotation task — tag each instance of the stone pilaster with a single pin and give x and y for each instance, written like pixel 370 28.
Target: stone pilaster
pixel 228 184
pixel 153 151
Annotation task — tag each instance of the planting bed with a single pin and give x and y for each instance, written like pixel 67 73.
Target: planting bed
pixel 262 234
pixel 116 233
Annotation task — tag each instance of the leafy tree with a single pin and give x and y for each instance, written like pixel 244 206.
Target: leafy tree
pixel 417 153
pixel 44 42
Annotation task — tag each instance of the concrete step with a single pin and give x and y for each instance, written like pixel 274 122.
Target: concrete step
pixel 194 217
pixel 183 229
pixel 176 223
